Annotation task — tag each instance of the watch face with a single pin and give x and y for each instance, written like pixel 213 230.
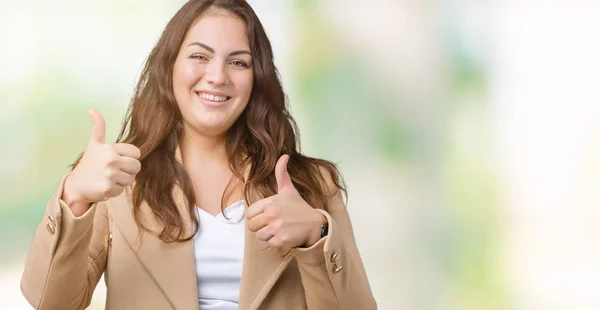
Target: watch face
pixel 324 230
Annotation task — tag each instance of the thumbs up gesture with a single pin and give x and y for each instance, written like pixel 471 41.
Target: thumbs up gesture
pixel 285 219
pixel 104 169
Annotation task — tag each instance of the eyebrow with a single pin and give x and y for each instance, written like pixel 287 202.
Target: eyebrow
pixel 212 50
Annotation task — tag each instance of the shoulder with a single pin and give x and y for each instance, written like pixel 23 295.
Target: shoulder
pixel 330 177
pixel 332 187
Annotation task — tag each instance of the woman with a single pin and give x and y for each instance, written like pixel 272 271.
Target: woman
pixel 205 201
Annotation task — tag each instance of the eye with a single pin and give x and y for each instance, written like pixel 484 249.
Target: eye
pixel 239 63
pixel 198 57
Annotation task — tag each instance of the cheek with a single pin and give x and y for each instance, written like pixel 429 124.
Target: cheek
pixel 187 75
pixel 244 83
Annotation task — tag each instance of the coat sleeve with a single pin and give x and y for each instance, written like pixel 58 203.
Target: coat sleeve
pixel 332 272
pixel 67 256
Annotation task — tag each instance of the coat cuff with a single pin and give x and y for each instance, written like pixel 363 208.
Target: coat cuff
pixel 69 228
pixel 59 225
pixel 324 250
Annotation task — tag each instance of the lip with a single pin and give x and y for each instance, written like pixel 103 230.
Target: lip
pixel 213 104
pixel 212 92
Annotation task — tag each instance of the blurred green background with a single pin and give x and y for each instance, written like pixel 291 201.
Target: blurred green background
pixel 468 133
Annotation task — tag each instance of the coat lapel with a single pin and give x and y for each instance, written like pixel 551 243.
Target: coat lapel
pixel 171 265
pixel 261 269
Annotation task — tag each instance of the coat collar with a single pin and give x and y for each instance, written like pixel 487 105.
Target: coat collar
pixel 173 267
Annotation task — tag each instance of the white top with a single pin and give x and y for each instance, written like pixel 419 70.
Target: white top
pixel 219 252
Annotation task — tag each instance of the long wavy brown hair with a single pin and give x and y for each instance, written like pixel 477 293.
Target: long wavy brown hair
pixel 263 132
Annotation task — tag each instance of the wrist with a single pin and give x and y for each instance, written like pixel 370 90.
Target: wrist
pixel 316 232
pixel 70 195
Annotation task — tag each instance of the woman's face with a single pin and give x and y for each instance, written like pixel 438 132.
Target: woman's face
pixel 212 75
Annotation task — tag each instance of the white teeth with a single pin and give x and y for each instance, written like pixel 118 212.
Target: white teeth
pixel 212 97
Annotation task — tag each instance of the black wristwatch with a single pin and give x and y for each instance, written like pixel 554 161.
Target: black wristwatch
pixel 324 229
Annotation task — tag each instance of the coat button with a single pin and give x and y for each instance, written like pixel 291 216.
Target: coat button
pixel 336 268
pixel 109 239
pixel 334 257
pixel 52 219
pixel 51 228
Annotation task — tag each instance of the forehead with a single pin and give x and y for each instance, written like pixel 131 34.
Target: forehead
pixel 219 30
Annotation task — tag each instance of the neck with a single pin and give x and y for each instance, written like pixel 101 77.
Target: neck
pixel 198 150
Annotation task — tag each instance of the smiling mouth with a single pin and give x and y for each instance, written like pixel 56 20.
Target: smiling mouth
pixel 213 98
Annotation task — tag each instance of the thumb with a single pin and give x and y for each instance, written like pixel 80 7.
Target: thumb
pixel 98 128
pixel 284 182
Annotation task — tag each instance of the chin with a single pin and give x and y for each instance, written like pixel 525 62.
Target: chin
pixel 210 128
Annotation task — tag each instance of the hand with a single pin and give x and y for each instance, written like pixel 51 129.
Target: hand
pixel 104 169
pixel 285 219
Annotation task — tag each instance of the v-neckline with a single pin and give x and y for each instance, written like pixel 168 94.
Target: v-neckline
pixel 232 216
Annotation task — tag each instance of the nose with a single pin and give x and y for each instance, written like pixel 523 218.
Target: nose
pixel 216 73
